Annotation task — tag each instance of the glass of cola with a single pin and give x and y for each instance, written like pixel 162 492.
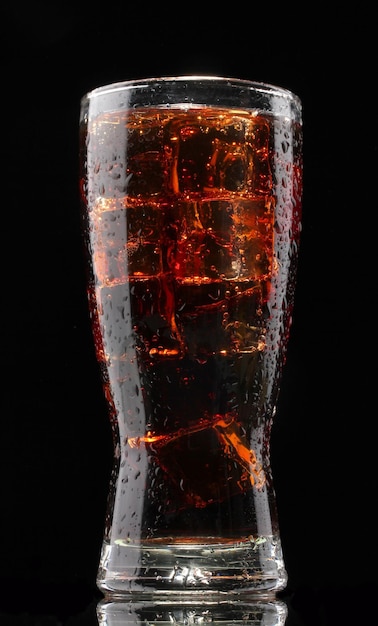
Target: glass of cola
pixel 191 192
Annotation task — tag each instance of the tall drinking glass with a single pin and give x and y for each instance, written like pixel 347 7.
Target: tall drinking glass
pixel 191 194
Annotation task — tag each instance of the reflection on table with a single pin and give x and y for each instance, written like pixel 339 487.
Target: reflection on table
pixel 259 612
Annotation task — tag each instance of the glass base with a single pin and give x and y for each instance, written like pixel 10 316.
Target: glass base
pixel 252 566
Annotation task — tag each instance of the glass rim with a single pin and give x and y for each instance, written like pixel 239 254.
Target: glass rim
pixel 263 88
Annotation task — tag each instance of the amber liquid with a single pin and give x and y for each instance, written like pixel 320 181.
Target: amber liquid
pixel 192 255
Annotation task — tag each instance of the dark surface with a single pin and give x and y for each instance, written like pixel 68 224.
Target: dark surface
pixel 54 434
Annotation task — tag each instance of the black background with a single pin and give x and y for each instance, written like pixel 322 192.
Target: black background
pixel 55 438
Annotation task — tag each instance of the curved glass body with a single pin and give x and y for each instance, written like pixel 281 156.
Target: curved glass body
pixel 191 193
